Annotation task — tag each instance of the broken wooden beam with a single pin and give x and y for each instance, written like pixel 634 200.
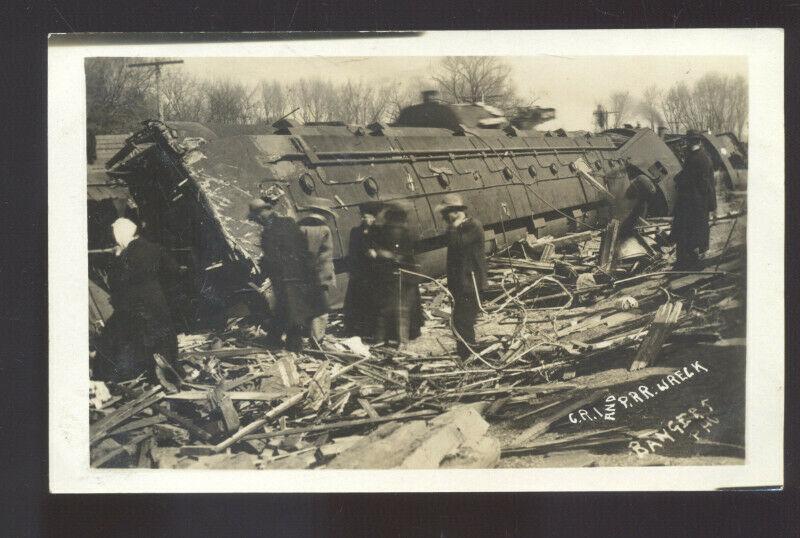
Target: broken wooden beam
pixel 662 326
pixel 343 424
pixel 608 245
pixel 100 429
pixel 543 424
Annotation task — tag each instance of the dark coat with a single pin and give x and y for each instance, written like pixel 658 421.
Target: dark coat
pixel 361 301
pixel 698 164
pixel 136 292
pixel 142 322
pixel 690 227
pixel 466 257
pixel 320 245
pixel 287 262
pixel 395 246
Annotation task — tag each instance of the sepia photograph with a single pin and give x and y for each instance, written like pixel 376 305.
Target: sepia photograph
pixel 435 261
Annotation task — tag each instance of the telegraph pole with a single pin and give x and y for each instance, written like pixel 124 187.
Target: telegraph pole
pixel 157 68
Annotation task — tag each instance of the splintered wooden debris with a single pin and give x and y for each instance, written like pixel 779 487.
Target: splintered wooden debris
pixel 663 324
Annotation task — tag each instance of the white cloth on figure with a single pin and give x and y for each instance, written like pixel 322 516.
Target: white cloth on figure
pixel 124 232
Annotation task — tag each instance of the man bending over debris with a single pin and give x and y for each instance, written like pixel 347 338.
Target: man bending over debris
pixel 287 262
pixel 466 268
pixel 141 325
pixel 320 246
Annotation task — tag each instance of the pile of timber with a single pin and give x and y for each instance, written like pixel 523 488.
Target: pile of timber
pixel 552 306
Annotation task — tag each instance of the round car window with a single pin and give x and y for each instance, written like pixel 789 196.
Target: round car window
pixel 371 186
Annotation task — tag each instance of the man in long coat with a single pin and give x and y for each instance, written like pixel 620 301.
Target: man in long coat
pixel 695 197
pixel 466 268
pixel 400 308
pixel 141 325
pixel 361 300
pixel 287 262
pixel 320 246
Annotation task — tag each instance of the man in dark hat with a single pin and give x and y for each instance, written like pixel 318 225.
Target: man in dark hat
pixel 695 197
pixel 320 246
pixel 400 309
pixel 360 303
pixel 287 262
pixel 466 268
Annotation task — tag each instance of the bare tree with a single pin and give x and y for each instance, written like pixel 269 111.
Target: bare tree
pixel 117 97
pixel 473 79
pixel 649 105
pixel 274 100
pixel 316 98
pixel 230 102
pixel 183 97
pixel 716 102
pixel 620 106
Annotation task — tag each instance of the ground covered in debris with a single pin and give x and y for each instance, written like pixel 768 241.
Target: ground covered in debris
pixel 590 353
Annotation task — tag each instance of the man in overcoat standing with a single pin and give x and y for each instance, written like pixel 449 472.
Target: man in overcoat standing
pixel 466 268
pixel 287 262
pixel 320 244
pixel 695 198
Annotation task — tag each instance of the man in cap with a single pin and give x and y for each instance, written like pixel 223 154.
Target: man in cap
pixel 695 198
pixel 320 246
pixel 466 268
pixel 360 303
pixel 287 262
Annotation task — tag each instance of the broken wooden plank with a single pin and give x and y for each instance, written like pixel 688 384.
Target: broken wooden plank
pixel 608 245
pixel 543 424
pixel 344 424
pixel 138 424
pixel 222 401
pixel 415 445
pixel 663 324
pixel 483 453
pixel 184 422
pixel 100 429
pixel 366 406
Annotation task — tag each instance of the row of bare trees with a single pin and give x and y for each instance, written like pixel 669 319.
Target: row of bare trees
pixel 118 97
pixel 715 102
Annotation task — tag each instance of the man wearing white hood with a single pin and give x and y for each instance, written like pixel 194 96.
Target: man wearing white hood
pixel 142 323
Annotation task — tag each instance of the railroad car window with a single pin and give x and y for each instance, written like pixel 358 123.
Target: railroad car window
pixel 371 186
pixel 532 171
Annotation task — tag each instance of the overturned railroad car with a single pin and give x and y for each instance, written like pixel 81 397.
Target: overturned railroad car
pixel 192 182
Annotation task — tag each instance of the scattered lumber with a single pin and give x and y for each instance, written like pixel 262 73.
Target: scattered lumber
pixel 555 309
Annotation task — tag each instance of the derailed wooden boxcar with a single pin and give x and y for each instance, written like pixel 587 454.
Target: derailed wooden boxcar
pixel 192 183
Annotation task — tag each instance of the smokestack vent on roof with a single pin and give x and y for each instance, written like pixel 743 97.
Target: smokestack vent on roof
pixel 430 96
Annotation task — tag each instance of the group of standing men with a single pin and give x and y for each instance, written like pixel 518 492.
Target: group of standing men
pixel 382 303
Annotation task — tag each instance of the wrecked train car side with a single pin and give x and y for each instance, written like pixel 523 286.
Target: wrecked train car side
pixel 193 185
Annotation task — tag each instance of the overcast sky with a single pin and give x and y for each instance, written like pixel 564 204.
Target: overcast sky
pixel 572 85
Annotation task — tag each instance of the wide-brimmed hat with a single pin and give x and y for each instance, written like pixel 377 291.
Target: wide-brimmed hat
pixel 451 202
pixel 313 218
pixel 370 208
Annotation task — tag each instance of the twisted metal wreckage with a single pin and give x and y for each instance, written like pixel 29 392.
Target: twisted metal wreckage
pixel 567 295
